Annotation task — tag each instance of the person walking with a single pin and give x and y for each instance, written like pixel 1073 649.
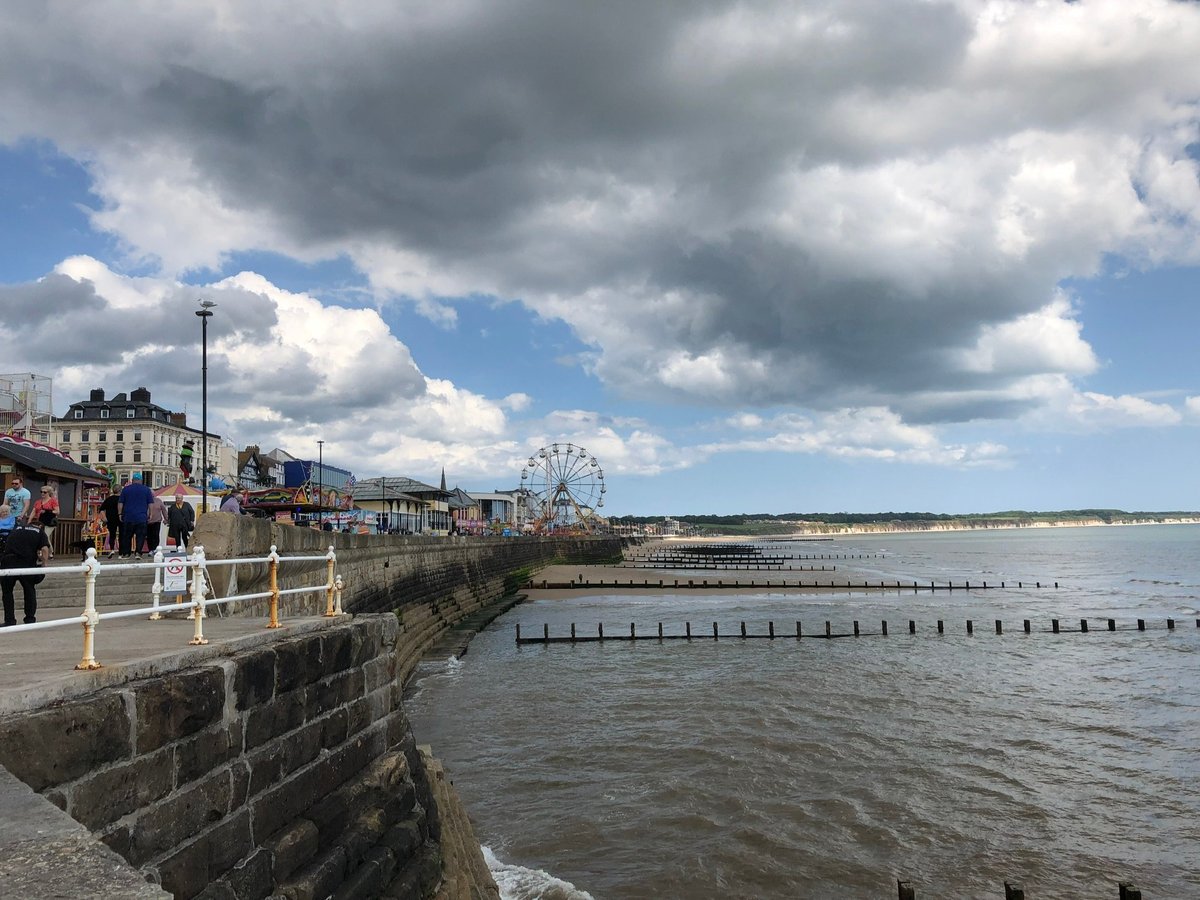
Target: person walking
pixel 111 508
pixel 45 512
pixel 17 497
pixel 181 520
pixel 156 517
pixel 134 508
pixel 27 548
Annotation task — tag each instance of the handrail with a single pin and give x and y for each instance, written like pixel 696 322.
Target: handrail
pixel 199 589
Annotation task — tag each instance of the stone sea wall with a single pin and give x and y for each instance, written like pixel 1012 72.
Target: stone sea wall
pixel 283 769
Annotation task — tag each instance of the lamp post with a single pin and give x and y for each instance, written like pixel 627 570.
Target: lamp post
pixel 204 312
pixel 321 482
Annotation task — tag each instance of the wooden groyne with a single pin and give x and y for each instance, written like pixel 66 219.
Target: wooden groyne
pixel 744 634
pixel 849 585
pixel 1126 890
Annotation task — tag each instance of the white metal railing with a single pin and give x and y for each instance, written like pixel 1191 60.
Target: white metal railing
pixel 198 601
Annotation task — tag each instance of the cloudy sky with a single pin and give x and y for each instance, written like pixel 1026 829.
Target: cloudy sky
pixel 799 256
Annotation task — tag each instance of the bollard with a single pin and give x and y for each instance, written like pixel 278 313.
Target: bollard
pixel 885 627
pixel 1054 625
pixel 970 627
pixel 660 631
pixel 941 627
pixel 799 633
pixel 904 890
pixel 1027 626
pixel 572 632
pixel 90 618
pixel 338 586
pixel 827 628
pixel 999 627
pixel 1112 624
pixel 743 629
pixel 632 632
pixel 330 559
pixel 689 631
pixel 546 633
pixel 771 630
pixel 1013 891
pixel 600 631
pixel 716 636
pixel 856 627
pixel 1083 626
pixel 1141 624
pixel 273 603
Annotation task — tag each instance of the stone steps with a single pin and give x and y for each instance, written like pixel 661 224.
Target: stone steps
pixel 127 587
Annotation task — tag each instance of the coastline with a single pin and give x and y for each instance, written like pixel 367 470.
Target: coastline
pixel 815 530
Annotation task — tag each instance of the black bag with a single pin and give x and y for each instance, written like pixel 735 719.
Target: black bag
pixel 48 518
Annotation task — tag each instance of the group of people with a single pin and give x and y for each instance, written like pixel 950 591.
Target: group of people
pixel 134 517
pixel 25 532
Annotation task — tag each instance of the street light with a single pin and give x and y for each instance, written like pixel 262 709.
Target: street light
pixel 321 482
pixel 204 312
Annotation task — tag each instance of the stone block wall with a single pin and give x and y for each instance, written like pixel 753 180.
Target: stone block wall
pixel 284 769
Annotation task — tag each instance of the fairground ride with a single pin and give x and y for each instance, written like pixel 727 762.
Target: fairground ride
pixel 564 488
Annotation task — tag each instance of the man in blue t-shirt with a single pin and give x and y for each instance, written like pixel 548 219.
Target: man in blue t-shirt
pixel 134 508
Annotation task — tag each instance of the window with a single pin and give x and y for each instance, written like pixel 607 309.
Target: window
pixel 66 436
pixel 137 454
pixel 120 436
pixel 102 437
pixel 104 412
pixel 119 455
pixel 101 455
pixel 79 413
pixel 129 411
pixel 85 435
pixel 83 457
pixel 137 435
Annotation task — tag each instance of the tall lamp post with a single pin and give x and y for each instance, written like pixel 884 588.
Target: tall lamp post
pixel 321 483
pixel 204 312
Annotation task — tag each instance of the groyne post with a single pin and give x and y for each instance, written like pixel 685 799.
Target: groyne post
pixel 1013 891
pixel 905 891
pixel 1128 891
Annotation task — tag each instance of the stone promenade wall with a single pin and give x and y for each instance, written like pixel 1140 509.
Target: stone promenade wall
pixel 283 769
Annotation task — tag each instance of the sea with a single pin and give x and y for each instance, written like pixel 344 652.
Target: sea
pixel 1064 763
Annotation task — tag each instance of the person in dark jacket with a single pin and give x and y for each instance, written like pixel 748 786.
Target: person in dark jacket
pixel 181 521
pixel 111 509
pixel 27 547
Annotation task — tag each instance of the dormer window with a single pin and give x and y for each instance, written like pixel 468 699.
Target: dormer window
pixel 129 411
pixel 104 412
pixel 79 413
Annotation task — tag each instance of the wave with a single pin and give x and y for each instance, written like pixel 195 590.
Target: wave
pixel 519 883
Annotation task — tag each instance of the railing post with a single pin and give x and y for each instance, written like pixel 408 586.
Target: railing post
pixel 273 603
pixel 337 596
pixel 198 591
pixel 157 588
pixel 90 617
pixel 330 558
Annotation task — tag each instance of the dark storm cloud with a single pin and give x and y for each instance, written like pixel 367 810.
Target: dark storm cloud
pixel 819 203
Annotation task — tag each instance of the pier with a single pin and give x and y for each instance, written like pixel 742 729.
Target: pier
pixel 581 583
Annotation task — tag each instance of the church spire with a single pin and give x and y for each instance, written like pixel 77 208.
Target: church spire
pixel 443 479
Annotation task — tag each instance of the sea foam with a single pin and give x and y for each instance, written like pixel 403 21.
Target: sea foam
pixel 519 883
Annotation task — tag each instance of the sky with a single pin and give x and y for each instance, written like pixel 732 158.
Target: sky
pixel 829 255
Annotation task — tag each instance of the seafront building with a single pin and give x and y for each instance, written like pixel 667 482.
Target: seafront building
pixel 124 434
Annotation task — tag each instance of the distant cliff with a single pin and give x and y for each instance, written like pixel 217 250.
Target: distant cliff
pixel 983 523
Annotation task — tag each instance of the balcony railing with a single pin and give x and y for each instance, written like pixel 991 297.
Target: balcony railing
pixel 192 572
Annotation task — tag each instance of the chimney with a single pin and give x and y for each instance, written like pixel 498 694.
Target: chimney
pixel 140 395
pixel 178 418
pixel 98 395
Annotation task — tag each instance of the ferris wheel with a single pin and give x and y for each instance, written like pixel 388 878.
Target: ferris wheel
pixel 564 487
